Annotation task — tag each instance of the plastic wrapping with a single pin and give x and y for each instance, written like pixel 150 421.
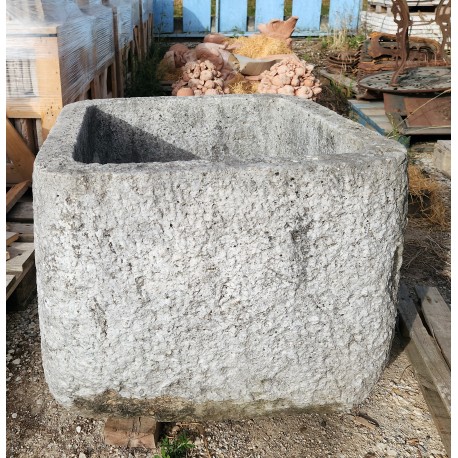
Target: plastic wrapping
pixel 50 54
pixel 149 6
pixel 135 13
pixel 104 43
pixel 145 11
pixel 124 15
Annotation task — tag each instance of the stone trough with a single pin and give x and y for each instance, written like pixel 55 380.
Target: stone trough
pixel 215 257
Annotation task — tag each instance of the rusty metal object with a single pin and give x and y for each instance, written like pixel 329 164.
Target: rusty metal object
pixel 423 111
pixel 416 80
pixel 443 14
pixel 419 114
pixel 377 54
pixel 401 17
pixel 384 44
pixel 342 62
pixel 417 98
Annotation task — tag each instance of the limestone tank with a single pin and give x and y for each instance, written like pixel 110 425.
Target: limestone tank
pixel 215 257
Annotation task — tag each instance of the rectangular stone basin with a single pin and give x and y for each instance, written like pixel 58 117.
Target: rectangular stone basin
pixel 215 257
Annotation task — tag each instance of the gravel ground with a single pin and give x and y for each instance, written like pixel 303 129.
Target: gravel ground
pixel 393 422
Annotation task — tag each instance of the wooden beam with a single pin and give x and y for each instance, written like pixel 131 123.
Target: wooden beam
pixel 15 193
pixel 12 175
pixel 21 261
pixel 24 230
pixel 438 318
pixel 435 405
pixel 11 237
pixel 432 358
pixel 22 258
pixel 21 213
pixel 10 282
pixel 18 152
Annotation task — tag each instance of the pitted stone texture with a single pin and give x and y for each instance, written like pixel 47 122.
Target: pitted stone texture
pixel 215 257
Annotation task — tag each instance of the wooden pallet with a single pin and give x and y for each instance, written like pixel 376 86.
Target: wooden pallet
pixel 22 259
pixel 20 267
pixel 372 115
pixel 427 329
pixel 384 22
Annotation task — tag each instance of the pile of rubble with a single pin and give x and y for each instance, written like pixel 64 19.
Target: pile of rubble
pixel 262 63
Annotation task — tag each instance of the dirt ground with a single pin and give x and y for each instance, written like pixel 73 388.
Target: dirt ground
pixel 393 422
pixel 38 427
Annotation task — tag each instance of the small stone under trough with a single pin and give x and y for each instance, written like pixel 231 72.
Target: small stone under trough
pixel 215 257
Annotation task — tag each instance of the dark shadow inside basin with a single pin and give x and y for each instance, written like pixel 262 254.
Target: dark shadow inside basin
pixel 104 139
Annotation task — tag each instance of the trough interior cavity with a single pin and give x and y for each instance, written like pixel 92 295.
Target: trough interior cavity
pixel 229 132
pixel 105 138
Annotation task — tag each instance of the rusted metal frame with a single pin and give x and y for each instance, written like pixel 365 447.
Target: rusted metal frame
pixel 443 14
pixel 401 17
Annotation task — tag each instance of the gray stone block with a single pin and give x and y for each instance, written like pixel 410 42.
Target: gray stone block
pixel 215 257
pixel 442 157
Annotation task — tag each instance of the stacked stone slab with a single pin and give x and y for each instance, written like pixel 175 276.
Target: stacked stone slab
pixel 215 257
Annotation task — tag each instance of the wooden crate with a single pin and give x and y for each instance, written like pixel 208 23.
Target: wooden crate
pixel 38 88
pixel 27 129
pixel 52 80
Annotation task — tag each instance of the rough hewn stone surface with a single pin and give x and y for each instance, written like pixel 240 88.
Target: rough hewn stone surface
pixel 215 257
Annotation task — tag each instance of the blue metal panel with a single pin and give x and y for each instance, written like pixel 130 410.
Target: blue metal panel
pixel 163 16
pixel 267 10
pixel 196 15
pixel 309 13
pixel 233 15
pixel 344 14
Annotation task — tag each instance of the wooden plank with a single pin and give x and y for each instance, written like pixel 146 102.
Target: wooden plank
pixel 435 405
pixel 24 230
pixel 15 193
pixel 196 16
pixel 233 15
pixel 163 16
pixel 22 212
pixel 342 80
pixel 10 282
pixel 309 14
pixel 23 291
pixel 132 432
pixel 25 126
pixel 11 237
pixel 22 257
pixel 438 318
pixel 429 352
pixel 18 152
pixel 344 14
pixel 267 10
pixel 12 175
pixel 366 119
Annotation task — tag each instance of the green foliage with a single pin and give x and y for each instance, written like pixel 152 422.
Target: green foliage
pixel 395 133
pixel 342 40
pixel 175 448
pixel 237 32
pixel 143 80
pixel 355 40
